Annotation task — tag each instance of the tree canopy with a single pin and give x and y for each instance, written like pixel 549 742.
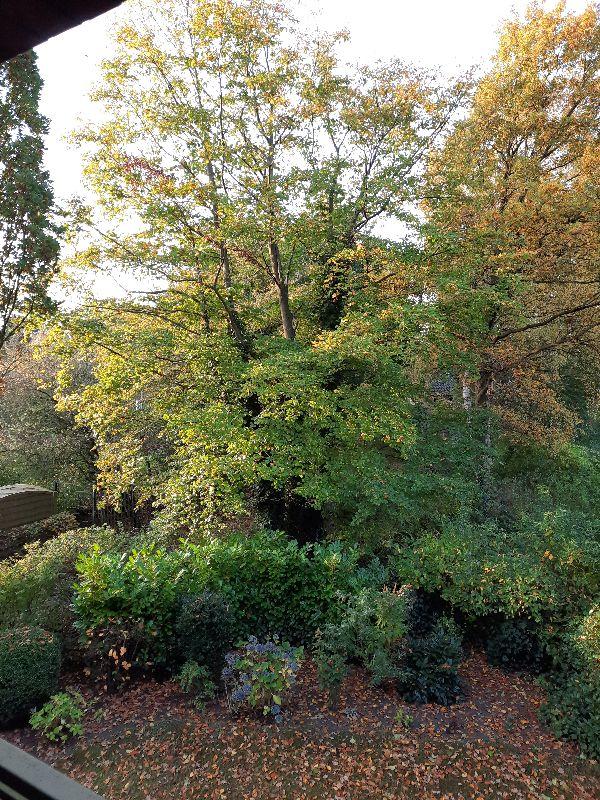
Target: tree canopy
pixel 359 286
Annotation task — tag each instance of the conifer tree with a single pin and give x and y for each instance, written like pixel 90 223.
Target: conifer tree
pixel 28 243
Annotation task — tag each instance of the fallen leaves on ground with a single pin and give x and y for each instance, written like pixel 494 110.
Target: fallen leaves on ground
pixel 151 743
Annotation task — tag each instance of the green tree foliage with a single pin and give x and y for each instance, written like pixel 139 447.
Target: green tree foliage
pixel 293 362
pixel 283 347
pixel 38 443
pixel 28 243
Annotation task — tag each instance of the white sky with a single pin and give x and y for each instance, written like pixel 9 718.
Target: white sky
pixel 452 34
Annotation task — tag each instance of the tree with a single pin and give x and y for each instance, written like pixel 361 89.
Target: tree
pixel 38 443
pixel 28 243
pixel 240 164
pixel 514 212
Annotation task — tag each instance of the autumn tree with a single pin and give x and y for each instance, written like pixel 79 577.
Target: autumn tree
pixel 241 166
pixel 28 235
pixel 514 211
pixel 38 443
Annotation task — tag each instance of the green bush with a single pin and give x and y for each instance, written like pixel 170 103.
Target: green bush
pixel 204 630
pixel 38 588
pixel 61 717
pixel 382 631
pixel 514 644
pixel 29 666
pixel 276 586
pixel 371 627
pixel 572 708
pixel 16 538
pixel 427 665
pixel 52 526
pixel 196 679
pixel 272 585
pixel 544 568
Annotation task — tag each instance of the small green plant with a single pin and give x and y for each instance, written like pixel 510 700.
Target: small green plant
pixel 370 630
pixel 331 652
pixel 61 717
pixel 403 718
pixel 260 674
pixel 428 664
pixel 196 679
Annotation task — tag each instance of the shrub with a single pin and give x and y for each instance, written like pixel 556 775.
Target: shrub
pixel 139 589
pixel 204 630
pixel 572 708
pixel 276 586
pixel 514 644
pixel 29 666
pixel 403 718
pixel 544 568
pixel 120 651
pixel 14 539
pixel 427 665
pixel 196 679
pixel 272 585
pixel 61 717
pixel 369 631
pixel 332 652
pixel 260 675
pixel 381 631
pixel 38 588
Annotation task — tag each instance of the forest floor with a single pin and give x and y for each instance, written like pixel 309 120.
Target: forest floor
pixel 151 743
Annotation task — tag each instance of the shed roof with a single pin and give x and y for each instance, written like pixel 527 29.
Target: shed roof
pixel 21 488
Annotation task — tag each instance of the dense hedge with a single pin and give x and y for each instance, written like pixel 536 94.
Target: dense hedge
pixel 29 666
pixel 37 589
pixel 12 541
pixel 573 687
pixel 272 585
pixel 544 568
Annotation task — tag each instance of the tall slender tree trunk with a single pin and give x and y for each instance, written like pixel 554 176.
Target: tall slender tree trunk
pixel 485 387
pixel 283 293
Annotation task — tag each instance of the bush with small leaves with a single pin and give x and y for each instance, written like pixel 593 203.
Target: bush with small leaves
pixel 370 628
pixel 514 644
pixel 260 675
pixel 37 588
pixel 195 679
pixel 572 708
pixel 29 667
pixel 61 717
pixel 14 539
pixel 427 665
pixel 204 630
pixel 332 648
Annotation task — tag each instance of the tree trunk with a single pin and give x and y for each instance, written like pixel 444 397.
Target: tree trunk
pixel 283 294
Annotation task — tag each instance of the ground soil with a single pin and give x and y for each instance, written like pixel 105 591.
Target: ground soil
pixel 150 743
